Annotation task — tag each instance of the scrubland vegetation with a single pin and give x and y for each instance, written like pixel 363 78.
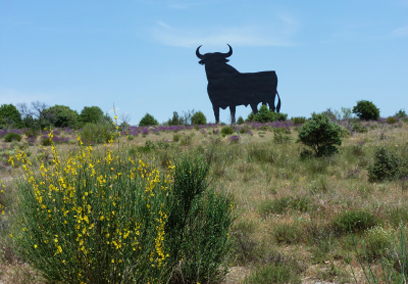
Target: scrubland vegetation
pixel 290 201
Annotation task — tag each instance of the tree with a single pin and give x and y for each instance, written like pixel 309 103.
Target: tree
pixel 175 120
pixel 320 134
pixel 148 120
pixel 9 116
pixel 59 116
pixel 91 114
pixel 198 118
pixel 366 110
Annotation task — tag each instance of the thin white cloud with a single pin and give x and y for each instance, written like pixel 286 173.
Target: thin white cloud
pixel 401 31
pixel 248 35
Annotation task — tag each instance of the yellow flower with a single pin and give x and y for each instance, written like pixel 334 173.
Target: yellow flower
pixel 35 246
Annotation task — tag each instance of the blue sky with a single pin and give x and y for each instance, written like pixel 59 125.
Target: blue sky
pixel 139 55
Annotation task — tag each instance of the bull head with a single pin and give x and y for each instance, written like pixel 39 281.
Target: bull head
pixel 215 56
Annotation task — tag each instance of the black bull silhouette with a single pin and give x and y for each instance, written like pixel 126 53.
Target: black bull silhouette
pixel 228 88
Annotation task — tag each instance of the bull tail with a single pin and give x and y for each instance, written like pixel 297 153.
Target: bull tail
pixel 279 102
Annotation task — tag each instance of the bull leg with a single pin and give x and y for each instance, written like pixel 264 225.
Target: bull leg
pixel 254 108
pixel 216 110
pixel 271 105
pixel 232 110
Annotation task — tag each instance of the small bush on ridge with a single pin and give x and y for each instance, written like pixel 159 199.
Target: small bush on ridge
pixel 148 120
pixel 366 110
pixel 198 118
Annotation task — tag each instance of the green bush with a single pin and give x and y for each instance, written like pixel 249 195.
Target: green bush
pixel 10 117
pixel 385 166
pixel 366 110
pixel 93 133
pixel 148 120
pixel 354 221
pixel 240 120
pixel 378 243
pixel 91 114
pixel 358 128
pixel 298 120
pixel 175 120
pixel 391 120
pixel 320 135
pixel 275 206
pixel 288 233
pixel 266 115
pixel 198 225
pixel 59 116
pixel 287 271
pixel 198 118
pixel 227 130
pixel 11 136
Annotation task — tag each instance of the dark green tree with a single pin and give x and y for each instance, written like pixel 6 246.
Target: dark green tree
pixel 198 118
pixel 91 114
pixel 10 117
pixel 321 135
pixel 148 120
pixel 59 116
pixel 366 110
pixel 175 120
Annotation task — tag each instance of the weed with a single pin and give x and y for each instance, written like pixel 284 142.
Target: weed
pixel 354 221
pixel 278 271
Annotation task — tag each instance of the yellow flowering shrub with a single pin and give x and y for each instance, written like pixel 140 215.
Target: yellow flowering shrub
pixel 94 218
pixel 101 216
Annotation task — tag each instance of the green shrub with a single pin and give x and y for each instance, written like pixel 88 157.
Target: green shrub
pixel 287 233
pixel 59 116
pixel 198 225
pixel 401 114
pixel 46 141
pixel 148 120
pixel 30 133
pixel 385 166
pixel 391 120
pixel 320 135
pixel 354 221
pixel 275 206
pixel 261 153
pixel 91 114
pixel 366 110
pixel 10 117
pixel 11 136
pixel 240 120
pixel 378 243
pixel 266 115
pixel 198 118
pixel 227 130
pixel 358 128
pixel 93 133
pixel 275 272
pixel 298 120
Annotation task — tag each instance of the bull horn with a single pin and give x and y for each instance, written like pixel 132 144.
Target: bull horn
pixel 199 55
pixel 229 53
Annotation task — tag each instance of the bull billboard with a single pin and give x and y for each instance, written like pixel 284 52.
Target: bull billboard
pixel 227 87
